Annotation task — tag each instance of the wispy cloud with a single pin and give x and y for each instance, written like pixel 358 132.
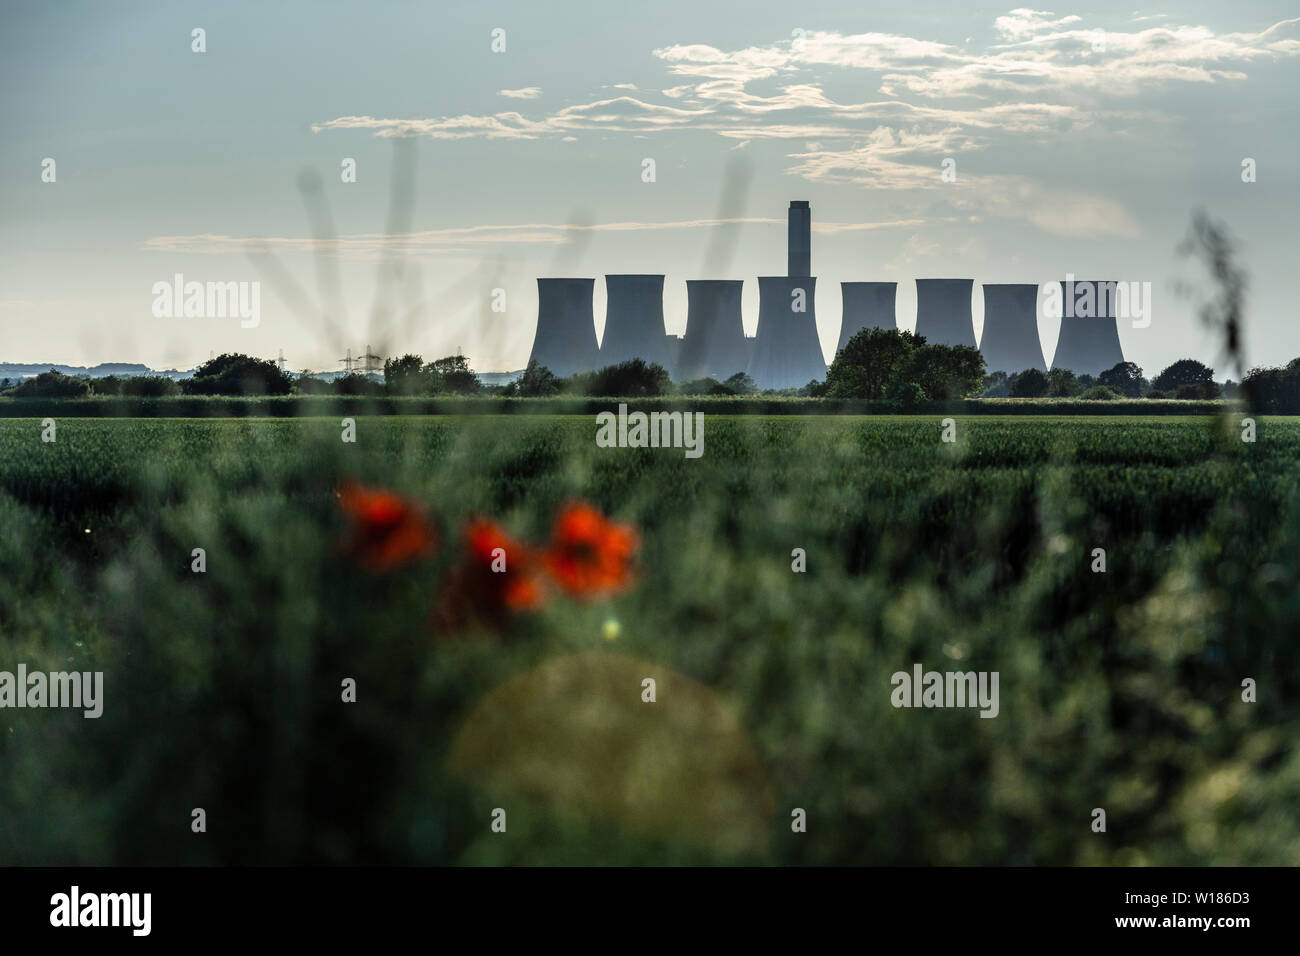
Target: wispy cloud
pixel 453 241
pixel 1024 22
pixel 1045 77
pixel 526 93
pixel 1025 78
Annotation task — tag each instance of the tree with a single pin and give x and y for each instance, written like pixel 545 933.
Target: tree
pixel 138 386
pixel 870 362
pixel 1124 378
pixel 1199 391
pixel 740 384
pixel 149 386
pixel 1100 393
pixel 1183 372
pixel 309 384
pixel 355 383
pixel 1274 391
pixel 1031 383
pixel 106 385
pixel 453 374
pixel 1062 383
pixel 537 381
pixel 703 386
pixel 52 384
pixel 946 371
pixel 235 374
pixel 407 376
pixel 997 385
pixel 631 379
pixel 907 396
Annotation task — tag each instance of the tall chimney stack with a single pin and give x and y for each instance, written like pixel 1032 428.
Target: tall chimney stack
pixel 799 242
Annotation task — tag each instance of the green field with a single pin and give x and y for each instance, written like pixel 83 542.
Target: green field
pixel 1119 690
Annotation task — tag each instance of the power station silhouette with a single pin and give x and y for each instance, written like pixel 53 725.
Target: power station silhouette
pixel 786 351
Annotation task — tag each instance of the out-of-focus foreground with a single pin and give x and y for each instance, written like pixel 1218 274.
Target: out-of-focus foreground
pixel 223 691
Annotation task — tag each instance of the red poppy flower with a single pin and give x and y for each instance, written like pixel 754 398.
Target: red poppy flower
pixel 388 530
pixel 498 577
pixel 589 555
pixel 504 570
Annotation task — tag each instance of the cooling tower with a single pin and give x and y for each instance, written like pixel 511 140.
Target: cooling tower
pixel 943 311
pixel 634 321
pixel 1089 339
pixel 799 240
pixel 714 344
pixel 1010 340
pixel 566 329
pixel 787 352
pixel 867 305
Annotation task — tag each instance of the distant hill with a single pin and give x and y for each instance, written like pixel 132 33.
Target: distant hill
pixel 30 369
pixel 21 370
pixel 498 378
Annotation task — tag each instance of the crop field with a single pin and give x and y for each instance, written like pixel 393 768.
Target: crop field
pixel 325 696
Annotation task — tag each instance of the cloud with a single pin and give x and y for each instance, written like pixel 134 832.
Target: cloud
pixel 882 165
pixel 620 113
pixel 1030 80
pixel 888 159
pixel 454 241
pixel 1044 78
pixel 527 93
pixel 1023 22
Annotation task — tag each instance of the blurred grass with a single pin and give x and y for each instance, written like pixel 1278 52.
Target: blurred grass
pixel 1118 690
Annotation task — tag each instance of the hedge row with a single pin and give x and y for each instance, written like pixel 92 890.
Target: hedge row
pixel 330 405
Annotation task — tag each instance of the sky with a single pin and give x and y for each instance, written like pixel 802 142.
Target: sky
pixel 1083 139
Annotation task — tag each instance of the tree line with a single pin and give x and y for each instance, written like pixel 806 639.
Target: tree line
pixel 1184 379
pixel 879 364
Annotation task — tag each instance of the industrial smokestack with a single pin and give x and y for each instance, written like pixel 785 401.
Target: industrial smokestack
pixel 787 352
pixel 1010 341
pixel 867 305
pixel 943 311
pixel 565 341
pixel 799 240
pixel 1089 339
pixel 714 344
pixel 634 321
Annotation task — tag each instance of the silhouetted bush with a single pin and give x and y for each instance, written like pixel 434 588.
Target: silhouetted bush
pixel 1273 391
pixel 874 361
pixel 311 385
pixel 1199 390
pixel 357 384
pixel 149 386
pixel 1124 378
pixel 52 384
pixel 1099 393
pixel 1183 372
pixel 631 379
pixel 236 374
pixel 1031 383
